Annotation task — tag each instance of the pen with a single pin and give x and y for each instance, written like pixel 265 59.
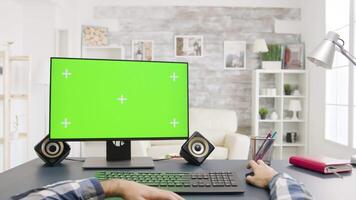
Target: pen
pixel 274 134
pixel 262 149
pixel 267 146
pixel 258 152
pixel 332 169
pixel 338 175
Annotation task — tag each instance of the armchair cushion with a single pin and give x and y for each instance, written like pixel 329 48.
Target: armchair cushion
pixel 219 153
pixel 212 119
pixel 139 148
pixel 238 146
pixel 216 137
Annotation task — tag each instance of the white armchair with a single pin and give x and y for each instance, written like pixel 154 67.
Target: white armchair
pixel 218 126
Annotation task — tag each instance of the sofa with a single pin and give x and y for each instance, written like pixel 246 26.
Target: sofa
pixel 218 126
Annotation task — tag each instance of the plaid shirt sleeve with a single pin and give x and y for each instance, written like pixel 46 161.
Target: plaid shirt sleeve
pixel 284 187
pixel 86 189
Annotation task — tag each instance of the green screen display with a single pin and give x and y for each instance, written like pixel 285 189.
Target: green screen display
pixel 113 99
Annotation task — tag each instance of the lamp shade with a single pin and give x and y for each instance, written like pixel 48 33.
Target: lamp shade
pixel 323 54
pixel 294 105
pixel 260 46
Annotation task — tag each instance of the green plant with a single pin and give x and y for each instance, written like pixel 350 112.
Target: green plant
pixel 287 89
pixel 274 53
pixel 263 113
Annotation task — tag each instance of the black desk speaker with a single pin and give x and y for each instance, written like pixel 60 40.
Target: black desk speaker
pixel 52 152
pixel 196 149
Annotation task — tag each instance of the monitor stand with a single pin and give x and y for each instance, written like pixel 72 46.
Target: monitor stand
pixel 118 156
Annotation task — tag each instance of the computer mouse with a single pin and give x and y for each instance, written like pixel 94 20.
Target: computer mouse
pixel 353 159
pixel 249 174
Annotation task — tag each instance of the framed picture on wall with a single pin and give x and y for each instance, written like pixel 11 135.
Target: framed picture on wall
pixel 188 46
pixel 235 55
pixel 142 50
pixel 293 56
pixel 95 35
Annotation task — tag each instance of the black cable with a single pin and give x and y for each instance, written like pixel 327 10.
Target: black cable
pixel 76 160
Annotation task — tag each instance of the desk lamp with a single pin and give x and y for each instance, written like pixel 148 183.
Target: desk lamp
pixel 323 55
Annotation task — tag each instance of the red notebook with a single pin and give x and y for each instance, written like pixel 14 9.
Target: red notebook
pixel 321 164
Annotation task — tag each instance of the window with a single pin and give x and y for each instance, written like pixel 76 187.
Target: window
pixel 338 95
pixel 353 51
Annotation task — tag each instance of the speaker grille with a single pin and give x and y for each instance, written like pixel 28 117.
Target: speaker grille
pixel 52 149
pixel 52 152
pixel 198 147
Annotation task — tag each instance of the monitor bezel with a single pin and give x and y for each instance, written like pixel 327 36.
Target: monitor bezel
pixel 113 139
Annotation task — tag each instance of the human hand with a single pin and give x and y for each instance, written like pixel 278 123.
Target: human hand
pixel 263 173
pixel 129 190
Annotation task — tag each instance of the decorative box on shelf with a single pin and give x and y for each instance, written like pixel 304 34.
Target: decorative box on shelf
pixel 271 65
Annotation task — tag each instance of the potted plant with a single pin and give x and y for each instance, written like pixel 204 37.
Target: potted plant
pixel 273 58
pixel 287 89
pixel 263 113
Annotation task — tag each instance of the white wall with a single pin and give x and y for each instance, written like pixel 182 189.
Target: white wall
pixel 313 29
pixel 10 30
pixel 313 26
pixel 71 14
pixel 38 41
pixel 11 24
pixel 30 24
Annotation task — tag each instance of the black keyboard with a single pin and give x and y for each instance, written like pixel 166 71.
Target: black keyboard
pixel 181 182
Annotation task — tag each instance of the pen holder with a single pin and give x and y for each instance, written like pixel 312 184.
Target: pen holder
pixel 255 145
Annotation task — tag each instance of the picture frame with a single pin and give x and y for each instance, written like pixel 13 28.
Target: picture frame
pixel 142 50
pixel 235 55
pixel 188 45
pixel 95 35
pixel 294 56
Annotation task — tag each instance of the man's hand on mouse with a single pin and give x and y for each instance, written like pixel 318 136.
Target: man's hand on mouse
pixel 263 173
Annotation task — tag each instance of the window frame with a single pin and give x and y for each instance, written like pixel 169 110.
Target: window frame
pixel 351 135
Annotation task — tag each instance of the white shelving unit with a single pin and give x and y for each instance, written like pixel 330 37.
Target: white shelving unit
pixel 279 103
pixel 9 138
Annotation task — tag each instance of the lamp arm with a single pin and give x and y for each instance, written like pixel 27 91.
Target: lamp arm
pixel 346 53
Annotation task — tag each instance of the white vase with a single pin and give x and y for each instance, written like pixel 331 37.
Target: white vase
pixel 274 116
pixel 296 93
pixel 272 65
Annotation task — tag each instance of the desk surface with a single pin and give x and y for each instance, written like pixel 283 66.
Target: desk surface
pixel 33 174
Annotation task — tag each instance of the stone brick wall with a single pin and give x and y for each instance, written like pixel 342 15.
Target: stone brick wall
pixel 210 85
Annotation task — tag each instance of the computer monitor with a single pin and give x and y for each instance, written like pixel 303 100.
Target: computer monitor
pixel 118 100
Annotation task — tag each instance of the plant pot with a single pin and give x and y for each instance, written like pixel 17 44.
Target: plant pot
pixel 287 93
pixel 263 117
pixel 272 65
